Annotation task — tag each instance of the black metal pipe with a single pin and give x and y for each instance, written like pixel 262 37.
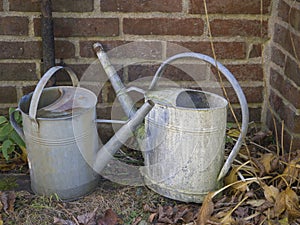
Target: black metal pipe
pixel 48 47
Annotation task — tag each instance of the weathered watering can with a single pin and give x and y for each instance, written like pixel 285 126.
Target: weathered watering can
pixel 60 132
pixel 184 153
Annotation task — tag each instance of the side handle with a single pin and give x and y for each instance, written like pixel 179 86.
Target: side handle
pixel 15 125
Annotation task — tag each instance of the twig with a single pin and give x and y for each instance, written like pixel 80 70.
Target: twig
pixel 70 214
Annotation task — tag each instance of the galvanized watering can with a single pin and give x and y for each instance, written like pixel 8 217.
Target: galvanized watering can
pixel 60 132
pixel 184 149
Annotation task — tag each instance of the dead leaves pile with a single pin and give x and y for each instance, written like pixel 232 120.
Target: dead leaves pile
pixel 7 201
pixel 109 218
pixel 262 188
pixel 178 214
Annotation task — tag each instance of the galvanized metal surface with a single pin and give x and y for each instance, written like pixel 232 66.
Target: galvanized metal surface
pixel 125 100
pixel 186 149
pixel 185 162
pixel 59 128
pixel 238 90
pixel 59 148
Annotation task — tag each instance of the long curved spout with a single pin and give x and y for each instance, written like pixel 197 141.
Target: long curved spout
pixel 106 153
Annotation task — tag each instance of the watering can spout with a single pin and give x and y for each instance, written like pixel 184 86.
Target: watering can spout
pixel 106 153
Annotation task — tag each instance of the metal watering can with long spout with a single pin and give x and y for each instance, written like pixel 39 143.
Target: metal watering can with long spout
pixel 60 132
pixel 185 130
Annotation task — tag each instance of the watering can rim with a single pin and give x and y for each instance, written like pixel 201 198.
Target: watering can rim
pixel 107 150
pixel 161 103
pixel 67 116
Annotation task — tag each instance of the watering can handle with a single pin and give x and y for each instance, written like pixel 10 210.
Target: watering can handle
pixel 42 83
pixel 237 89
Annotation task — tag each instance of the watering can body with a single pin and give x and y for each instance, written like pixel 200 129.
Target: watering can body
pixel 184 149
pixel 60 132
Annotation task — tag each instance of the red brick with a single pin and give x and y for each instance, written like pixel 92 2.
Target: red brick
pixel 57 6
pixel 8 95
pixel 292 70
pixel 20 50
pixel 283 10
pixel 223 50
pixel 294 18
pixel 284 37
pixel 86 47
pixel 141 71
pixel 174 72
pixel 230 6
pixel 237 27
pixel 245 72
pixel 291 140
pixel 64 49
pixel 256 51
pixel 82 27
pixel 28 89
pixel 17 71
pixel 13 25
pixel 290 118
pixel 163 26
pixel 276 102
pixel 277 56
pixel 252 94
pixel 122 49
pixel 141 6
pixel 254 114
pixel 92 73
pixel 285 87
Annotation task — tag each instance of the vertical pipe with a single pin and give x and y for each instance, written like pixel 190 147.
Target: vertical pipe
pixel 48 47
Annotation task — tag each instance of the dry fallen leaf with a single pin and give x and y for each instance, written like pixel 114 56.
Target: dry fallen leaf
pixel 233 132
pixel 152 217
pixel 291 172
pixel 232 177
pixel 280 205
pixel 292 203
pixel 270 192
pixel 58 221
pixel 266 160
pixel 206 210
pixel 109 218
pixel 87 218
pixel 7 201
pixel 256 202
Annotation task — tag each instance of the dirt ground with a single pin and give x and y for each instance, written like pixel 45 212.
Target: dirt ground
pixel 263 187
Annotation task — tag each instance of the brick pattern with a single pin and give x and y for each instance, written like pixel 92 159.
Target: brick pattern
pixel 84 27
pixel 158 29
pixel 14 25
pixel 141 6
pixel 57 6
pixel 230 6
pixel 284 73
pixel 163 26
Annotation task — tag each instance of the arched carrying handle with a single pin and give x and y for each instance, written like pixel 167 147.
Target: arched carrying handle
pixel 42 83
pixel 237 89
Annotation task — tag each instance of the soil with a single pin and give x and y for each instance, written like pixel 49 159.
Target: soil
pixel 263 187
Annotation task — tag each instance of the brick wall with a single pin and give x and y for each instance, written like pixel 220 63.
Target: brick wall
pixel 239 29
pixel 284 71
